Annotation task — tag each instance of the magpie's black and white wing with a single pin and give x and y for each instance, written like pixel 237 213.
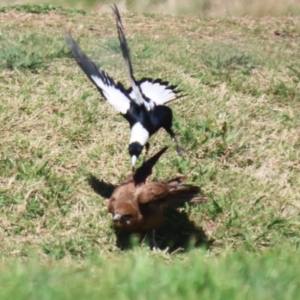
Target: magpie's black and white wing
pixel 146 91
pixel 160 92
pixel 136 94
pixel 115 94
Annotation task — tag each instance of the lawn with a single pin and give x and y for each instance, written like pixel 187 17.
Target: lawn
pixel 239 123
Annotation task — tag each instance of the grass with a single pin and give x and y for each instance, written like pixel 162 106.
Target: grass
pixel 215 8
pixel 143 275
pixel 239 124
pixel 40 9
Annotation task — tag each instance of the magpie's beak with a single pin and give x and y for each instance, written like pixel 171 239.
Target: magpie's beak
pixel 133 161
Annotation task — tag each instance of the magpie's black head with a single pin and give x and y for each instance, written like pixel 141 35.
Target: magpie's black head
pixel 135 150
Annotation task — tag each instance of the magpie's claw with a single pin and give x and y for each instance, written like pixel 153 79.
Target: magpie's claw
pixel 147 147
pixel 180 150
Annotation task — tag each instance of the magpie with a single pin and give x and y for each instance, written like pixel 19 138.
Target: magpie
pixel 152 94
pixel 142 105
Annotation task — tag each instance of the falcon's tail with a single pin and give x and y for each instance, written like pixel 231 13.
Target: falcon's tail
pixel 180 192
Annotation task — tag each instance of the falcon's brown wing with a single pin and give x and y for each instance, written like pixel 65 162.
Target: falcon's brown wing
pixel 152 191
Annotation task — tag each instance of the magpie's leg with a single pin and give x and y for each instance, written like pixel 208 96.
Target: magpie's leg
pixel 147 147
pixel 153 245
pixel 179 149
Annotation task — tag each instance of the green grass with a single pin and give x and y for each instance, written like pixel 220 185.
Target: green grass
pixel 27 51
pixel 40 9
pixel 144 275
pixel 239 123
pixel 214 8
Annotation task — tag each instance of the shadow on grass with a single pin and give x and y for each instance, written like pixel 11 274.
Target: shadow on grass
pixel 100 187
pixel 178 234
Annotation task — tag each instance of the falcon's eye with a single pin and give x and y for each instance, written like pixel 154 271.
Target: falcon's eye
pixel 126 217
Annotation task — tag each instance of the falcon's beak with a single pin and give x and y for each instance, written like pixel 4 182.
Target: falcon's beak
pixel 117 217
